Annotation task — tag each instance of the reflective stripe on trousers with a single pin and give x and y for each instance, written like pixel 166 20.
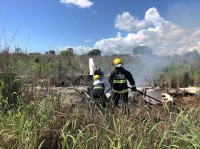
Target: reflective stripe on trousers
pixel 123 91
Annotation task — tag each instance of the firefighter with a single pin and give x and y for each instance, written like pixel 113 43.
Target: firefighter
pixel 99 72
pixel 118 81
pixel 96 90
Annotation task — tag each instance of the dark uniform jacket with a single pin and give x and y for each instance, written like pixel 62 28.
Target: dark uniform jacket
pixel 100 73
pixel 118 80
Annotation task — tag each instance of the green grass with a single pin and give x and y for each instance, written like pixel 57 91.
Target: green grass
pixel 33 119
pixel 44 123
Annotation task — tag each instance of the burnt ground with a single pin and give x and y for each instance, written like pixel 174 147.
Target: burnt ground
pixel 75 95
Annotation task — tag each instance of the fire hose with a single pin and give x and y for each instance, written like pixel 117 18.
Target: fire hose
pixel 148 96
pixel 107 91
pixel 140 93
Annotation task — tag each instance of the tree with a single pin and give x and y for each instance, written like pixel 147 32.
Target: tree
pixel 70 50
pixel 36 53
pixel 94 52
pixel 18 49
pixel 67 52
pixel 192 54
pixel 142 50
pixel 52 52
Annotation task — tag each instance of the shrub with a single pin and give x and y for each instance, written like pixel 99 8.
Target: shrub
pixel 10 87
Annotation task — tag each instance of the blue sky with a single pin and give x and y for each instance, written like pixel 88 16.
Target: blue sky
pixel 113 26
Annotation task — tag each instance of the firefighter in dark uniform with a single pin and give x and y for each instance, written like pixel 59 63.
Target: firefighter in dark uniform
pixel 98 71
pixel 118 81
pixel 96 90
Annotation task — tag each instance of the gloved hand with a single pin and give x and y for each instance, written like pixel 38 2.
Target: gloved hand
pixel 134 89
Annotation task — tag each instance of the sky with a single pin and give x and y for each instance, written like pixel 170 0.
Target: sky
pixel 114 26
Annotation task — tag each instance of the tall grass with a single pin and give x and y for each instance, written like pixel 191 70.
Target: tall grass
pixel 122 131
pixel 40 120
pixel 46 124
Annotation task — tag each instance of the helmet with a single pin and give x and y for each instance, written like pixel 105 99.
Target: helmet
pixel 96 77
pixel 98 68
pixel 117 61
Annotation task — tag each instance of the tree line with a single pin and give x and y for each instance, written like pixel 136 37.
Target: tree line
pixel 137 51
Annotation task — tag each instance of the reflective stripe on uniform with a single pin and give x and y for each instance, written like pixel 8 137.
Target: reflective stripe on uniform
pixel 97 87
pixel 124 91
pixel 119 81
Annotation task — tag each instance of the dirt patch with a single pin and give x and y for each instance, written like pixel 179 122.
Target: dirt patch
pixel 75 95
pixel 72 95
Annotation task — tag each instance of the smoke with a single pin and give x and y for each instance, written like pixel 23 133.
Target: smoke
pixel 145 70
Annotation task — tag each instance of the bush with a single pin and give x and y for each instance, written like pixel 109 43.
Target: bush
pixel 9 87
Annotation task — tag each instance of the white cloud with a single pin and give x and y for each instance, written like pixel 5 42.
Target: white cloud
pixel 77 49
pixel 129 23
pixel 79 3
pixel 164 37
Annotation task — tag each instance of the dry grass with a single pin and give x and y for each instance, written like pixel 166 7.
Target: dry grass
pixel 47 123
pixel 42 121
